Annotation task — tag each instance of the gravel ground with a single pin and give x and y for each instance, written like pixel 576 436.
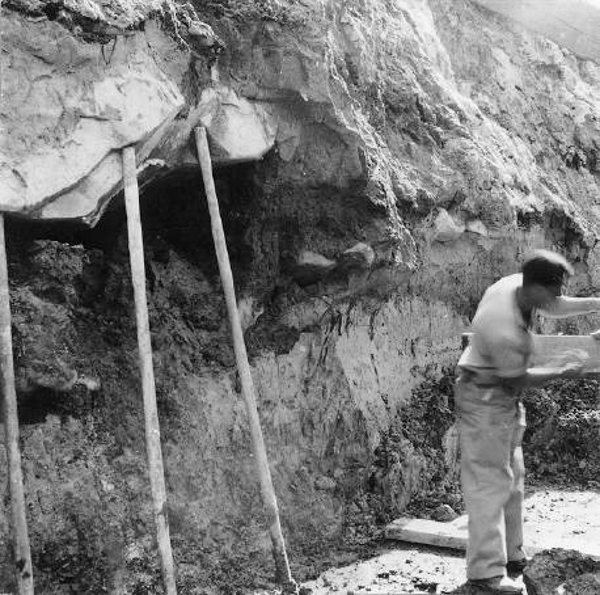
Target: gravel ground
pixel 553 518
pixel 403 569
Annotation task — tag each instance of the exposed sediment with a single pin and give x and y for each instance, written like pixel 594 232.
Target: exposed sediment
pixel 377 166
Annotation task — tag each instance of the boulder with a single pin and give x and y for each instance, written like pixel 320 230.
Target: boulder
pixel 358 258
pixel 68 110
pixel 239 129
pixel 312 267
pixel 70 107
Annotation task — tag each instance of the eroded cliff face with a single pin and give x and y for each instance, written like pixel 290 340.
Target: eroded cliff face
pixel 379 164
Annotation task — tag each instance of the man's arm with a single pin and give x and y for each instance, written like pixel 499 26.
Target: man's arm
pixel 539 377
pixel 564 306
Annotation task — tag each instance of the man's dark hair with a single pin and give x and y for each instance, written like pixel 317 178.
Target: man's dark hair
pixel 544 267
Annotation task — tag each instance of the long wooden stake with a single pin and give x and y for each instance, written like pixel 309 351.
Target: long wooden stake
pixel 20 535
pixel 282 567
pixel 155 461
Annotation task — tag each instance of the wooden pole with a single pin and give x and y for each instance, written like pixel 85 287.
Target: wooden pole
pixel 155 461
pixel 20 535
pixel 282 567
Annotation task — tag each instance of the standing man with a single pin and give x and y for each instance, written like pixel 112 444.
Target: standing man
pixel 492 372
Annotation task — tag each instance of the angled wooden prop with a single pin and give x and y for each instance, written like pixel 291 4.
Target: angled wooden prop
pixel 20 535
pixel 284 576
pixel 153 448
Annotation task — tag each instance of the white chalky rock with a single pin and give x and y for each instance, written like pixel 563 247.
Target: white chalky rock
pixel 312 267
pixel 239 130
pixel 446 228
pixel 66 115
pixel 313 259
pixel 477 226
pixel 360 256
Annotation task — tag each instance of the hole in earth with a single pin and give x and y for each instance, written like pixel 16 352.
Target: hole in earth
pixel 36 404
pixel 173 209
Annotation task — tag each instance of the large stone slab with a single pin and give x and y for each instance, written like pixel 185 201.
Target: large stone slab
pixel 68 108
pixel 238 129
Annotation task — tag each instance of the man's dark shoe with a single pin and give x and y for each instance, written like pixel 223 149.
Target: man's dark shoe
pixel 516 567
pixel 498 585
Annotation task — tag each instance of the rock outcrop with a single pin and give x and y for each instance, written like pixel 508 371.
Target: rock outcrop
pixel 378 165
pixel 68 108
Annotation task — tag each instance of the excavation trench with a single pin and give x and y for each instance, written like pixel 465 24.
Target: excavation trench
pixel 349 452
pixel 80 404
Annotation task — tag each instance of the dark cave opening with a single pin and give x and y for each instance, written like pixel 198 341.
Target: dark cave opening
pixel 174 211
pixel 87 275
pixel 36 404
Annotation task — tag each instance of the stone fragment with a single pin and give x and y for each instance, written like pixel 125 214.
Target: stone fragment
pixel 239 130
pixel 446 228
pixel 312 267
pixel 444 513
pixel 325 484
pixel 358 258
pixel 477 226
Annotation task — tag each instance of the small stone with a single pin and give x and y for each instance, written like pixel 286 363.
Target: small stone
pixel 325 484
pixel 444 513
pixel 477 226
pixel 360 257
pixel 446 228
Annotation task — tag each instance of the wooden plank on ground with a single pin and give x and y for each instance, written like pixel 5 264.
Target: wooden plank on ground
pixel 426 532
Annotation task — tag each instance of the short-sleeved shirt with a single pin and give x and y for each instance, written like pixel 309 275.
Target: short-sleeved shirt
pixel 501 344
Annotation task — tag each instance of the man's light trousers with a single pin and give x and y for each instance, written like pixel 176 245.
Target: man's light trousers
pixel 491 425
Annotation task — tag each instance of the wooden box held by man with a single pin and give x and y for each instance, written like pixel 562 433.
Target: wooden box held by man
pixel 492 372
